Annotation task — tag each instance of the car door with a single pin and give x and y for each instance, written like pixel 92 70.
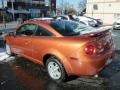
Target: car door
pixel 23 40
pixel 17 42
pixel 42 39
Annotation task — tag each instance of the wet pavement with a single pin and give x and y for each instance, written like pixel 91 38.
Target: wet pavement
pixel 17 73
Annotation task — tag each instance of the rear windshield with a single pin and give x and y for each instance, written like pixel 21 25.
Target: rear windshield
pixel 70 28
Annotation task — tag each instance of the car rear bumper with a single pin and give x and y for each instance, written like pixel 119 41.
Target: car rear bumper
pixel 80 68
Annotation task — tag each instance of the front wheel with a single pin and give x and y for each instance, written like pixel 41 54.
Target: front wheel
pixel 8 49
pixel 55 69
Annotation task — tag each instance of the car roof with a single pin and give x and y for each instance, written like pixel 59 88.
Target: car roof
pixel 46 22
pixel 42 19
pixel 37 22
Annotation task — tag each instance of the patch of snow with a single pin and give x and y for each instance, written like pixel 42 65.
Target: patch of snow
pixel 3 55
pixel 9 59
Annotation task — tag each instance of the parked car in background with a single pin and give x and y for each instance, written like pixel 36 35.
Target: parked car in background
pixel 1 38
pixel 61 17
pixel 99 21
pixel 65 17
pixel 90 21
pixel 65 48
pixel 82 19
pixel 116 24
pixel 43 19
pixel 48 19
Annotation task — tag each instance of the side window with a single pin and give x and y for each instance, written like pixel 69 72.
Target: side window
pixel 42 32
pixel 59 27
pixel 26 30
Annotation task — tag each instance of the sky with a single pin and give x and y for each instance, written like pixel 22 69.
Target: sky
pixel 5 3
pixel 59 2
pixel 74 2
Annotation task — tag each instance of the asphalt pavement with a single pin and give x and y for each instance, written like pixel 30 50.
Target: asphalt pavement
pixel 116 37
pixel 17 73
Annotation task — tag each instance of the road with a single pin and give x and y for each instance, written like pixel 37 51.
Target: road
pixel 116 35
pixel 17 73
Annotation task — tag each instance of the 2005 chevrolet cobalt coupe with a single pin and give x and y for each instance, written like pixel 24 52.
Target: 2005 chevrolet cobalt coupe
pixel 65 48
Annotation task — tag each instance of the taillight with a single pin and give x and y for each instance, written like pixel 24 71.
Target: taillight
pixel 90 49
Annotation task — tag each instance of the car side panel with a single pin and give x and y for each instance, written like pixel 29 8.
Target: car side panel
pixel 55 46
pixel 16 43
pixel 28 46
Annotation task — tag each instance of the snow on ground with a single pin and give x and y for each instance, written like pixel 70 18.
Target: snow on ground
pixel 3 56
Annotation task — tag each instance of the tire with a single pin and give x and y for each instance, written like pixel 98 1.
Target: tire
pixel 55 70
pixel 8 49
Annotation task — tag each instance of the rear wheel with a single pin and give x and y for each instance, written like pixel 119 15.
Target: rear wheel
pixel 55 69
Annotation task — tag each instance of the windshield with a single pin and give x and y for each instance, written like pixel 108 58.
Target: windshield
pixel 70 28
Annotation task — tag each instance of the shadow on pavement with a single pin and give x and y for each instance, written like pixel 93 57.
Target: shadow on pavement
pixel 22 74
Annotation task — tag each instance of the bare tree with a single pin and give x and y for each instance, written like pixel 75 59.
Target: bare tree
pixel 71 11
pixel 67 8
pixel 82 6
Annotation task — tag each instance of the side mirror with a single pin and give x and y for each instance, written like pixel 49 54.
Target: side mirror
pixel 12 34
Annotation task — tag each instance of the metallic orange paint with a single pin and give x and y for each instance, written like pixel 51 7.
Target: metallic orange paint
pixel 69 50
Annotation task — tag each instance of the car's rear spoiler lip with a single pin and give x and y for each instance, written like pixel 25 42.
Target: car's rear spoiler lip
pixel 98 31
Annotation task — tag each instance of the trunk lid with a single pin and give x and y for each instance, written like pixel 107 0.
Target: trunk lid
pixel 102 39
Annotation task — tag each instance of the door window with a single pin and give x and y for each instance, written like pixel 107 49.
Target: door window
pixel 26 30
pixel 42 32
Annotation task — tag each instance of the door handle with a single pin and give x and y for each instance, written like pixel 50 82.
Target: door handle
pixel 27 42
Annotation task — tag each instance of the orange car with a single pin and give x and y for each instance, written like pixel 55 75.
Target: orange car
pixel 65 48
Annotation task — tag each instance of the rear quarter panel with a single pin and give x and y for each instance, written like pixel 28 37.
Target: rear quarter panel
pixel 61 47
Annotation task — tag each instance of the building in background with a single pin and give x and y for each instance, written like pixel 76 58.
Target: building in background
pixel 3 4
pixel 107 10
pixel 26 9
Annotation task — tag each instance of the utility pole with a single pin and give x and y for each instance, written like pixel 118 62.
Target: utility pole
pixel 3 14
pixel 62 8
pixel 13 14
pixel 92 8
pixel 50 7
